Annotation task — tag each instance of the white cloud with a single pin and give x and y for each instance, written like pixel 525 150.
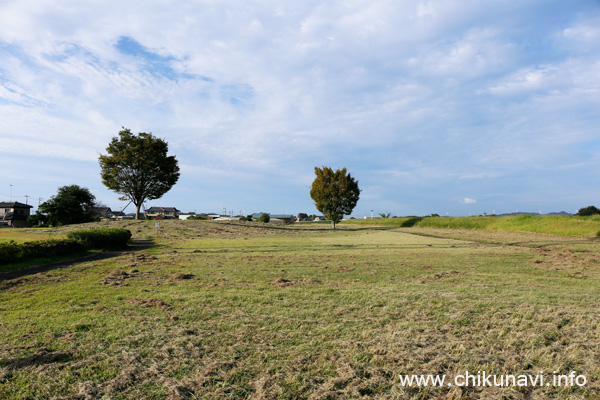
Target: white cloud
pixel 468 200
pixel 429 89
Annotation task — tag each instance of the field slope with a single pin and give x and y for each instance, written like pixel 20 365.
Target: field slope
pixel 218 310
pixel 558 225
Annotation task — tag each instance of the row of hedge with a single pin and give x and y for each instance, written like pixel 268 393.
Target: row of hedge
pixel 102 238
pixel 77 241
pixel 13 252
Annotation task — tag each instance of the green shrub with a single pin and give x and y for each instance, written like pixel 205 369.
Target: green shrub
pixel 264 217
pixel 587 211
pixel 102 238
pixel 9 252
pixel 49 248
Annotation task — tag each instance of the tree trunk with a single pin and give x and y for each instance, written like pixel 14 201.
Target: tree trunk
pixel 137 211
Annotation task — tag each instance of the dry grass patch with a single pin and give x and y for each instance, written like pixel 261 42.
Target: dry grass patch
pixel 160 304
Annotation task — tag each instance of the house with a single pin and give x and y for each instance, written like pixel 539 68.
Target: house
pixel 14 213
pixel 227 218
pixel 184 216
pixel 282 218
pixel 162 213
pixel 209 216
pixel 285 218
pixel 103 212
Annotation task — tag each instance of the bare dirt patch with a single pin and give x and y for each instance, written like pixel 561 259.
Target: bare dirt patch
pixel 117 278
pixel 12 283
pixel 160 304
pixel 284 282
pixel 32 279
pixel 136 259
pixel 179 276
pixel 445 273
pixel 564 259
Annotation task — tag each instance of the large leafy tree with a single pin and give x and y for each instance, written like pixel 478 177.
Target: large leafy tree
pixel 71 205
pixel 138 167
pixel 335 193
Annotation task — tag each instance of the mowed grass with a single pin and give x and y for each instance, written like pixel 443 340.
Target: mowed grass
pixel 219 310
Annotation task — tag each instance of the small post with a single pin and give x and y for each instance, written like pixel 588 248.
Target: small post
pixel 157 225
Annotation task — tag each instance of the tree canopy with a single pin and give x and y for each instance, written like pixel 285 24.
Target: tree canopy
pixel 589 210
pixel 138 167
pixel 71 205
pixel 264 217
pixel 335 193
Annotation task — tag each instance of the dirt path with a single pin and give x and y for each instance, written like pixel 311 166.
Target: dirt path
pixel 138 244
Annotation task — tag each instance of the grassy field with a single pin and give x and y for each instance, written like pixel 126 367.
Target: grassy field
pixel 27 235
pixel 227 310
pixel 559 225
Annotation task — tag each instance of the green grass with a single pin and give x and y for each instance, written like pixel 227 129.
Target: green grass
pixel 20 235
pixel 395 221
pixel 558 225
pixel 304 312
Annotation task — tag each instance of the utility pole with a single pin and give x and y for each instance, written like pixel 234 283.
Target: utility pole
pixel 26 199
pixel 10 193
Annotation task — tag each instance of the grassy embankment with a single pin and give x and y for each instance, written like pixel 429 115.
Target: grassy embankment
pixel 557 225
pixel 245 310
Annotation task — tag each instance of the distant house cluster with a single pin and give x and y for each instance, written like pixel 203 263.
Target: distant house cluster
pixel 15 214
pixel 156 213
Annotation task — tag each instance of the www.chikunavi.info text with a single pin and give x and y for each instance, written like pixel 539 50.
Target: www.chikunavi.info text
pixel 481 379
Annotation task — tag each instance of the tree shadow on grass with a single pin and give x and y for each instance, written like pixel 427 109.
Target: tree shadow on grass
pixel 41 357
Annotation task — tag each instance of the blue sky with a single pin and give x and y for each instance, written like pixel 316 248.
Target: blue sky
pixel 459 107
